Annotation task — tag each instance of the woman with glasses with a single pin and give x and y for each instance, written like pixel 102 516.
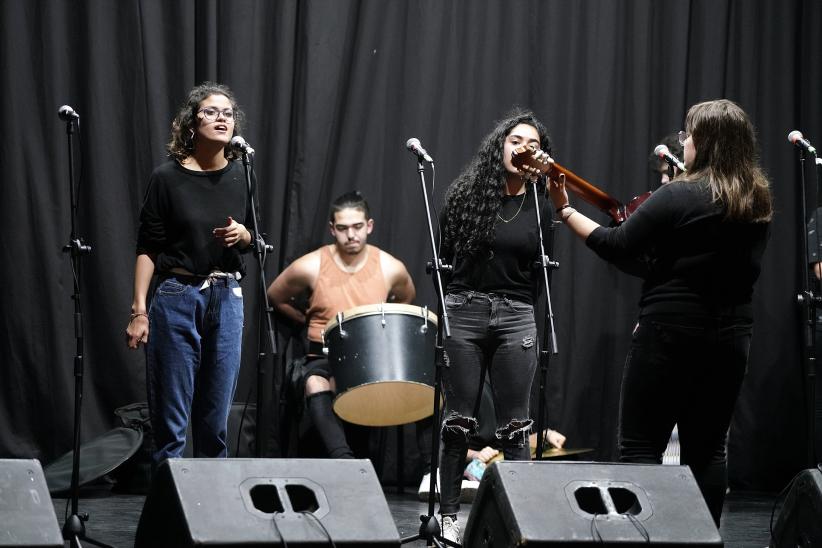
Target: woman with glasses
pixel 191 236
pixel 700 239
pixel 490 236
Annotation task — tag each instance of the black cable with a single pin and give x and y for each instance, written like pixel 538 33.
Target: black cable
pixel 595 536
pixel 277 530
pixel 639 527
pixel 320 523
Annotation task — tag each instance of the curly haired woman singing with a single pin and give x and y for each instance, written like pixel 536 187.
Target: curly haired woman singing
pixel 491 237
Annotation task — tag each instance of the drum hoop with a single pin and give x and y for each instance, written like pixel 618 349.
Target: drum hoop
pixel 374 310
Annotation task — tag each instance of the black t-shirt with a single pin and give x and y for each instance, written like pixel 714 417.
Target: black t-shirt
pixel 181 209
pixel 508 267
pixel 692 259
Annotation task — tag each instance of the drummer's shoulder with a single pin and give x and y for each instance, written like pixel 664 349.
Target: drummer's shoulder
pixel 305 268
pixel 389 263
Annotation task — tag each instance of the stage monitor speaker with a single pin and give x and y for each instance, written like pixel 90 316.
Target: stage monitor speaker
pixel 263 502
pixel 585 504
pixel 27 515
pixel 800 520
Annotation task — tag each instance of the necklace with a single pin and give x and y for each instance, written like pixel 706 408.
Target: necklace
pixel 515 214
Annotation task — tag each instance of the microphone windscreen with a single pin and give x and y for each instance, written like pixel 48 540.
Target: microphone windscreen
pixel 794 136
pixel 661 150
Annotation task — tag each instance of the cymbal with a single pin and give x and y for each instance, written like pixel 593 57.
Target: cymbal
pixel 553 452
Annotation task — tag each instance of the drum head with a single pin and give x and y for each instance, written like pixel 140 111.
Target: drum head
pixel 98 457
pixel 386 403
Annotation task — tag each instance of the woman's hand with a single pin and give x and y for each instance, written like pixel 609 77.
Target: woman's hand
pixel 557 192
pixel 555 438
pixel 232 233
pixel 486 454
pixel 137 330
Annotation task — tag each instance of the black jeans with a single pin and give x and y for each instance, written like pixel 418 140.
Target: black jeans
pixel 685 371
pixel 500 333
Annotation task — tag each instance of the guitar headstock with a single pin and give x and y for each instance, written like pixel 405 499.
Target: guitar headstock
pixel 523 155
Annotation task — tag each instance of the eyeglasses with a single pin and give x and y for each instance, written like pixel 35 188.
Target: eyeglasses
pixel 683 136
pixel 211 113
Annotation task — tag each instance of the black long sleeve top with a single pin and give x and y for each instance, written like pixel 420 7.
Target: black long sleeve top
pixel 693 261
pixel 181 209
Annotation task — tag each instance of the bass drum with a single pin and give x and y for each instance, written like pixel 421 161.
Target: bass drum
pixel 382 357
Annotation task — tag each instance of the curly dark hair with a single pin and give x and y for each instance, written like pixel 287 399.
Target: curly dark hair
pixel 184 125
pixel 474 199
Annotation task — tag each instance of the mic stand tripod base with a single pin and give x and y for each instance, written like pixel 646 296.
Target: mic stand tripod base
pixel 431 533
pixel 74 530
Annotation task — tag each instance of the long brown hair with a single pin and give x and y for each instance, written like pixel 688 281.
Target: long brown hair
pixel 725 145
pixel 184 125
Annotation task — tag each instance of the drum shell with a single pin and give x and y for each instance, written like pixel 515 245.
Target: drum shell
pixel 383 365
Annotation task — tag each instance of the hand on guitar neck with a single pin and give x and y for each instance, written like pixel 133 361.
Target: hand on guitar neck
pixel 531 160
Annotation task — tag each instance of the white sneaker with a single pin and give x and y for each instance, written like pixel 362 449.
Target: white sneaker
pixel 451 529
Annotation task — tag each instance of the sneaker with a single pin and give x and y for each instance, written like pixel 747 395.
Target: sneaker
pixel 451 529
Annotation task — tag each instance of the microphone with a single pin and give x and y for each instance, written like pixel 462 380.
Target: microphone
pixel 239 144
pixel 413 144
pixel 66 113
pixel 795 137
pixel 664 153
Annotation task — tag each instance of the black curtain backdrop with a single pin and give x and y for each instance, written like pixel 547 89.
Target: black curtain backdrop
pixel 332 89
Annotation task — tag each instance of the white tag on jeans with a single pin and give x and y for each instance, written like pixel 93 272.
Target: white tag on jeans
pixel 238 291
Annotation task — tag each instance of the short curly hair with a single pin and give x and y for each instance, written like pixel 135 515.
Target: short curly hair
pixel 184 125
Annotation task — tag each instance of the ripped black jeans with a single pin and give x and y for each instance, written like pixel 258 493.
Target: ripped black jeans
pixel 500 333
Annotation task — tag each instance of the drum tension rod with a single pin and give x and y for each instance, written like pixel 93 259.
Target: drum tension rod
pixel 343 332
pixel 424 326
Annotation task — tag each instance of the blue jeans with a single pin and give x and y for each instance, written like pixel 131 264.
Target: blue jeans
pixel 498 333
pixel 192 363
pixel 685 371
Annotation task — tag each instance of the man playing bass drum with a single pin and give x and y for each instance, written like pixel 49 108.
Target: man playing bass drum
pixel 339 276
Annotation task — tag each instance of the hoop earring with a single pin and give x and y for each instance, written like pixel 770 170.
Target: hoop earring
pixel 190 143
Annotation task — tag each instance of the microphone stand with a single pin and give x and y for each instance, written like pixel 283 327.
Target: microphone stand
pixel 430 527
pixel 261 251
pixel 549 335
pixel 74 529
pixel 809 302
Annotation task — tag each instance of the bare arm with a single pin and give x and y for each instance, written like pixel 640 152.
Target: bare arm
pixel 299 276
pixel 137 330
pixel 401 286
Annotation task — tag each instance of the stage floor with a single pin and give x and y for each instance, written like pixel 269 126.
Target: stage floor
pixel 113 517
